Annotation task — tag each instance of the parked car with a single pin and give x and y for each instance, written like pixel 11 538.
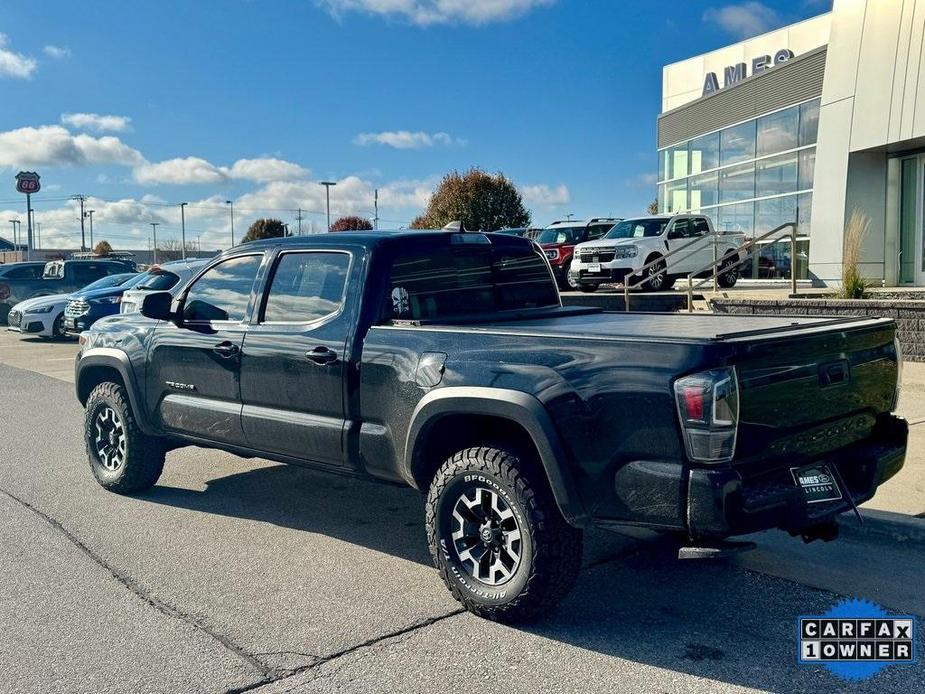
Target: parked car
pixel 29 269
pixel 559 239
pixel 169 276
pixel 446 361
pixel 634 243
pixel 90 304
pixel 58 277
pixel 513 232
pixel 43 316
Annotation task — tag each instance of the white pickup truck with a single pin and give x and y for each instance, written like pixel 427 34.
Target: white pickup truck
pixel 634 243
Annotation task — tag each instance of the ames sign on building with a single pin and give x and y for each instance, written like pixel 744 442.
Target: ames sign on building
pixel 807 123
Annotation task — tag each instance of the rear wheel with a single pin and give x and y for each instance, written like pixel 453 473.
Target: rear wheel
pixel 729 273
pixel 497 537
pixel 123 459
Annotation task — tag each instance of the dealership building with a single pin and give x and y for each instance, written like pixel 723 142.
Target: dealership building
pixel 812 123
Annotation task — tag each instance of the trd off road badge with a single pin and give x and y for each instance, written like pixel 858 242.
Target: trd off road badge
pixel 856 639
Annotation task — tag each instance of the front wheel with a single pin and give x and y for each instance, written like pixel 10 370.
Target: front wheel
pixel 57 328
pixel 123 459
pixel 497 537
pixel 656 277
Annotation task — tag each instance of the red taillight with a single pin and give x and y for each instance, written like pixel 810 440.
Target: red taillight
pixel 693 403
pixel 4 291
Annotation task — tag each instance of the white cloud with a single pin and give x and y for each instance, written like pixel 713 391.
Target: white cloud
pixel 180 171
pixel 195 170
pixel 745 19
pixel 14 64
pixel 405 139
pixel 545 196
pixel 429 12
pixel 52 145
pixel 96 122
pixel 266 169
pixel 57 52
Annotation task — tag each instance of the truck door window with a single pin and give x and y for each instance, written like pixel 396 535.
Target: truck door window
pixel 306 287
pixel 681 229
pixel 699 226
pixel 222 293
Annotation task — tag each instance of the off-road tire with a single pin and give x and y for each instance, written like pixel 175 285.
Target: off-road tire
pixel 141 460
pixel 550 556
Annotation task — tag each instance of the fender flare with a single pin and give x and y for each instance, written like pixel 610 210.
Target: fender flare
pixel 115 359
pixel 518 407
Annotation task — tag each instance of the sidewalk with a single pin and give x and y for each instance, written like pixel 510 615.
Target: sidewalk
pixel 905 493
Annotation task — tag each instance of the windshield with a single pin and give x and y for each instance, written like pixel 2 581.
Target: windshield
pixel 109 281
pixel 158 281
pixel 570 235
pixel 637 228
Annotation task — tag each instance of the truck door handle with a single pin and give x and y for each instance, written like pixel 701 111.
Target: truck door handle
pixel 322 356
pixel 226 349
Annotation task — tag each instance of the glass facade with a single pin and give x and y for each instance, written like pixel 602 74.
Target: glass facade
pixel 750 177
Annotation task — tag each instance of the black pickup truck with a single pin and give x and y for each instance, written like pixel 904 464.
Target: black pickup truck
pixel 445 361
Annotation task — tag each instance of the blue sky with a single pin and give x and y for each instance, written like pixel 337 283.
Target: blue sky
pixel 143 105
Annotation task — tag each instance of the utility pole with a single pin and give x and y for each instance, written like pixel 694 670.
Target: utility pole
pixel 327 194
pixel 230 203
pixel 38 235
pixel 14 222
pixel 183 229
pixel 154 229
pixel 376 206
pixel 299 218
pixel 83 237
pixel 90 215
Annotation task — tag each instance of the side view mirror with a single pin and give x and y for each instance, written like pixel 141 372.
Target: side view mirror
pixel 156 305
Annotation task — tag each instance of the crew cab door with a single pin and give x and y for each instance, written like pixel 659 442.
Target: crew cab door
pixel 193 367
pixel 295 356
pixel 680 233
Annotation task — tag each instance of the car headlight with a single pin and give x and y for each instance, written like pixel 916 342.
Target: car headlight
pixel 107 300
pixel 47 308
pixel 552 254
pixel 626 252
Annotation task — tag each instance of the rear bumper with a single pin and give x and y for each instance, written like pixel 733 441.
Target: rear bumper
pixel 721 503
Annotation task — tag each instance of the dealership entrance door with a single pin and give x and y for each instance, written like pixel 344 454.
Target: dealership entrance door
pixel 912 221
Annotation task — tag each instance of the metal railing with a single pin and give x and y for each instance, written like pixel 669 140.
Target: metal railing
pixel 719 265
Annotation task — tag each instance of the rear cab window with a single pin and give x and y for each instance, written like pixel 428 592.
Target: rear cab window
pixel 306 287
pixel 442 280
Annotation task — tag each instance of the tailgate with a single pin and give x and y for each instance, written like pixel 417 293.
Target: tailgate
pixel 809 393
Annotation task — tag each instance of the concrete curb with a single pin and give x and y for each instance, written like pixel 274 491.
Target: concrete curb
pixel 894 526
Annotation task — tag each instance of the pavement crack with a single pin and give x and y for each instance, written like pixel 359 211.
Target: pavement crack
pixel 145 594
pixel 322 660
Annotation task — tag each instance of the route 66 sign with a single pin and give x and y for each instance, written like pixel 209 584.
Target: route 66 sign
pixel 28 182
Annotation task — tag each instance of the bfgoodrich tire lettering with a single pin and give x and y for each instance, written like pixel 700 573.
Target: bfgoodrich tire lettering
pixel 532 555
pixel 122 458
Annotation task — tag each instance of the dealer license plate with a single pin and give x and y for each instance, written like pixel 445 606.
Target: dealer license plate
pixel 594 267
pixel 817 482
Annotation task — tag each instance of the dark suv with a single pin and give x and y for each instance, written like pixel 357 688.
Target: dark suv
pixel 559 239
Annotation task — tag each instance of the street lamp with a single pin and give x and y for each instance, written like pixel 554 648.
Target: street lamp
pixel 14 222
pixel 327 194
pixel 230 203
pixel 183 229
pixel 154 228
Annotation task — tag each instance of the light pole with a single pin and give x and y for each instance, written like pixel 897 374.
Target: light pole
pixel 230 203
pixel 90 215
pixel 183 229
pixel 154 229
pixel 327 195
pixel 14 222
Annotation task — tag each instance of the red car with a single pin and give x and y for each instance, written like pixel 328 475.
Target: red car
pixel 559 239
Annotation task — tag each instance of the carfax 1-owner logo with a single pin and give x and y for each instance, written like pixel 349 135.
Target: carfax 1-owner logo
pixel 856 639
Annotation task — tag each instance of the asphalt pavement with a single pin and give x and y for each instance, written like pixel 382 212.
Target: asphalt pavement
pixel 234 575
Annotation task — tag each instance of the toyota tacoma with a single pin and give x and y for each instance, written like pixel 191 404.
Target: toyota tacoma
pixel 445 361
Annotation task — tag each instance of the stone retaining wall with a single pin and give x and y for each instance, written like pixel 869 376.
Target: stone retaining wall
pixel 909 315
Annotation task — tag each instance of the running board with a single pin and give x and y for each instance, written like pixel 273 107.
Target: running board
pixel 721 550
